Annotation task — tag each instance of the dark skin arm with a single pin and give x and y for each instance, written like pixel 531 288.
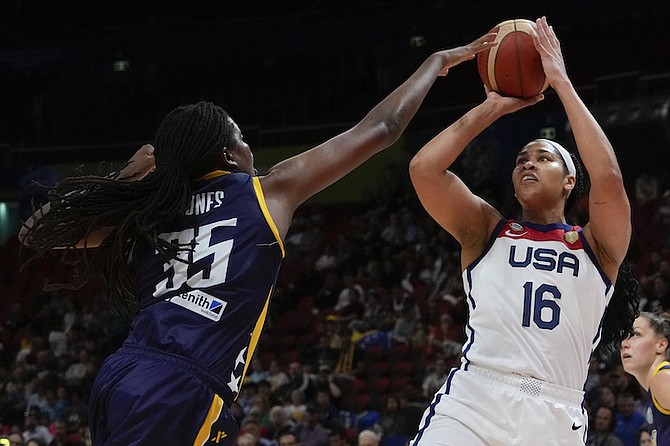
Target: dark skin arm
pixel 289 183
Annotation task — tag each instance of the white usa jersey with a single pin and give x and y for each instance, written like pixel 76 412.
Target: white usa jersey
pixel 536 297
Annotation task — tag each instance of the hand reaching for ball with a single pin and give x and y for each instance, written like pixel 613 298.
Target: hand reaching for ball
pixel 549 47
pixel 455 56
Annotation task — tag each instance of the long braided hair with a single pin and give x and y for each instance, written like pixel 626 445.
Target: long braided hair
pixel 187 144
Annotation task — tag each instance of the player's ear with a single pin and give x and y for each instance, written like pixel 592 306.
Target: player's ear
pixel 228 158
pixel 570 183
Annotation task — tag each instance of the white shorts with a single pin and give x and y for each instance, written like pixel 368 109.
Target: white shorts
pixel 482 407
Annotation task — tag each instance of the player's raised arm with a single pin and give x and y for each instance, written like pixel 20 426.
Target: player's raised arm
pixel 609 208
pixel 291 182
pixel 468 218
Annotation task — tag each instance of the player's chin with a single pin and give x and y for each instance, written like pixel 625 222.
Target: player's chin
pixel 627 363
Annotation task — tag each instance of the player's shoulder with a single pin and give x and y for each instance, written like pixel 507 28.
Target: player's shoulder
pixel 660 387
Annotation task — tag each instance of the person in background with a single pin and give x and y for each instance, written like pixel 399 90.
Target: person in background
pixel 15 439
pixel 435 377
pixel 338 436
pixel 34 429
pixel 246 439
pixel 279 422
pixel 644 437
pixel 628 420
pixel 368 437
pixel 288 438
pixel 603 429
pixel 310 430
pixel 644 355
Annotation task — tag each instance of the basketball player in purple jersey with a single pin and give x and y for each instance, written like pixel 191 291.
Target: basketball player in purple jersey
pixel 190 249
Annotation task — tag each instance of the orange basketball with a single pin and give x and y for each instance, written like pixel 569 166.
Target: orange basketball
pixel 513 67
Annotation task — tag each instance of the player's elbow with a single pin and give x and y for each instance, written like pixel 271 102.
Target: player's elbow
pixel 610 180
pixel 393 128
pixel 421 169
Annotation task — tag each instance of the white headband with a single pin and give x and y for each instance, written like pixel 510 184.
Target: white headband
pixel 567 159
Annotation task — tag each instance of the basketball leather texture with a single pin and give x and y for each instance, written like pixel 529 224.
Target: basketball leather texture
pixel 513 67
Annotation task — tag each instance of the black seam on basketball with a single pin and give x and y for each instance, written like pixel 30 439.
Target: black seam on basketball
pixel 518 59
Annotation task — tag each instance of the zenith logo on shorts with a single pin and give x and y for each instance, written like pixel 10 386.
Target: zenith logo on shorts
pixel 200 302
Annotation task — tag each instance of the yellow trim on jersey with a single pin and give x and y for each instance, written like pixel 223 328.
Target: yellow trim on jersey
pixel 660 408
pixel 261 202
pixel 255 336
pixel 213 174
pixel 212 415
pixel 266 212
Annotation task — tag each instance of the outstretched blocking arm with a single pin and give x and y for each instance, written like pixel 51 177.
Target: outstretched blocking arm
pixel 289 183
pixel 609 209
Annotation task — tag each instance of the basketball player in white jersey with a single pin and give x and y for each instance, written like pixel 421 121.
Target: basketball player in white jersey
pixel 537 287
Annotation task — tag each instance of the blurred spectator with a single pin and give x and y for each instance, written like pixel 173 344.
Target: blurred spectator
pixel 338 436
pixel 258 372
pixel 288 438
pixel 16 439
pixel 327 260
pixel 276 376
pixel 368 437
pixel 435 378
pixel 446 339
pixel 602 433
pixel 628 421
pixel 250 425
pixel 644 436
pixel 82 371
pixel 321 354
pixel 35 429
pixel 298 379
pixel 261 411
pixel 296 407
pixel 396 423
pixel 351 292
pixel 310 431
pixel 246 397
pixel 326 411
pixel 279 422
pixel 246 440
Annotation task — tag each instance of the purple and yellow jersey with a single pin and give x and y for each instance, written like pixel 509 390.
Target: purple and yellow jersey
pixel 661 416
pixel 208 305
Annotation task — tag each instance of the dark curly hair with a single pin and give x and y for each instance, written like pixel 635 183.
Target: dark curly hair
pixel 623 308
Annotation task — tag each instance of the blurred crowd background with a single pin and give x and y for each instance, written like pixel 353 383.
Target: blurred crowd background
pixel 368 314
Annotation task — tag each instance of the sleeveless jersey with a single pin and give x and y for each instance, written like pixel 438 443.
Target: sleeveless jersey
pixel 536 298
pixel 208 306
pixel 660 416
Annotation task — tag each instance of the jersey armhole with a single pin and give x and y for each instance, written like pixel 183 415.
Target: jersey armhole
pixel 266 212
